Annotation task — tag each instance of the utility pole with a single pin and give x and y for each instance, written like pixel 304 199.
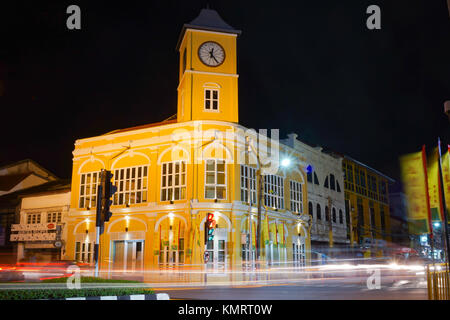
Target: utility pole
pixel 330 226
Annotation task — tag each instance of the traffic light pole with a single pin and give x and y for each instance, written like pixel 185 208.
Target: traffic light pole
pixel 97 227
pixel 98 219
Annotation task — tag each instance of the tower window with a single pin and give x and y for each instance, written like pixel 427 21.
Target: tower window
pixel 212 99
pixel 184 60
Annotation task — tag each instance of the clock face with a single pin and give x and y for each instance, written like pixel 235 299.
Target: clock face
pixel 211 53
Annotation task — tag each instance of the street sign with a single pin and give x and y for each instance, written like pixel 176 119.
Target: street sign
pixel 206 256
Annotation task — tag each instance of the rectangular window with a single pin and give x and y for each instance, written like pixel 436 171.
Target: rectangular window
pixel 274 191
pixel 215 179
pixel 34 218
pixel 131 185
pixel 173 181
pixel 296 196
pixel 54 217
pixel 211 99
pixel 88 189
pixel 248 183
pixel 84 252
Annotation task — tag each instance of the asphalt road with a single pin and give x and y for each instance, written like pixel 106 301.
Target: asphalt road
pixel 298 292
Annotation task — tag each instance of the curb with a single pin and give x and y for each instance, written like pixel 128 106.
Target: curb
pixel 158 296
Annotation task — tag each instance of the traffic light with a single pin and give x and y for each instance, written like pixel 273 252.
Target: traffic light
pixel 110 190
pixel 210 224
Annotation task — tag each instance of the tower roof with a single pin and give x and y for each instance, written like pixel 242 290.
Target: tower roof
pixel 210 20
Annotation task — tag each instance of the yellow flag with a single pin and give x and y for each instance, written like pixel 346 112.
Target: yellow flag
pixel 413 175
pixel 434 186
pixel 253 235
pixel 157 242
pixel 273 231
pixel 266 230
pixel 175 232
pixel 446 175
pixel 281 234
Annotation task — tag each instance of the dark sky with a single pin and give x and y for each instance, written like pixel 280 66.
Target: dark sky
pixel 310 67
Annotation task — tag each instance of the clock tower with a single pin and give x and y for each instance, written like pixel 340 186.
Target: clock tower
pixel 208 80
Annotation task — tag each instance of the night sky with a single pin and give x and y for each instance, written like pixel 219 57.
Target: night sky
pixel 310 67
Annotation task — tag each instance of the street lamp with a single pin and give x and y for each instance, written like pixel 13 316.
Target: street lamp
pixel 286 162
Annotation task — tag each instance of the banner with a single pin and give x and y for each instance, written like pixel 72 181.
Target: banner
pixel 414 179
pixel 280 230
pixel 253 235
pixel 434 187
pixel 273 231
pixel 265 230
pixel 446 177
pixel 157 242
pixel 175 235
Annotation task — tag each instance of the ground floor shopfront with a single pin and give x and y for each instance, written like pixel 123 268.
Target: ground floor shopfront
pixel 164 240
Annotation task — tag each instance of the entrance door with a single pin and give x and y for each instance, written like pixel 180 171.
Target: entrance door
pixel 128 255
pixel 169 257
pixel 217 250
pixel 298 251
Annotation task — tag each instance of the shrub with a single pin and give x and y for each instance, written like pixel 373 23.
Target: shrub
pixel 31 294
pixel 90 280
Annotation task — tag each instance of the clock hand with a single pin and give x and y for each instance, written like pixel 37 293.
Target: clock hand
pixel 215 59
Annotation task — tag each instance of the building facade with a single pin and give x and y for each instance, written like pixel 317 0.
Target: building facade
pixel 16 179
pixel 367 205
pixel 39 234
pixel 171 175
pixel 326 206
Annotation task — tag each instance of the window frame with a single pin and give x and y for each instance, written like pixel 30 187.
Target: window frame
pixel 216 185
pixel 142 190
pixel 34 218
pixel 211 99
pixel 82 252
pixel 244 175
pixel 92 204
pixel 182 163
pixel 274 198
pixel 55 217
pixel 297 191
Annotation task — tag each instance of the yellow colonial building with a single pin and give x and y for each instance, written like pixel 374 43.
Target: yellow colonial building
pixel 367 206
pixel 171 174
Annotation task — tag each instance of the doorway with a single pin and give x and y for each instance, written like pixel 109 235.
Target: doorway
pixel 128 255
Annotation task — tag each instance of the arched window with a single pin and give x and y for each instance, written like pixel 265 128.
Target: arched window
pixel 332 184
pixel 310 209
pixel 327 213
pixel 326 182
pixel 334 215
pixel 341 217
pixel 316 180
pixel 319 212
pixel 338 187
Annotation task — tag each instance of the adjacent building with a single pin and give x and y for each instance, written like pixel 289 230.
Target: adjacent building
pixel 367 207
pixel 15 179
pixel 326 206
pixel 39 234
